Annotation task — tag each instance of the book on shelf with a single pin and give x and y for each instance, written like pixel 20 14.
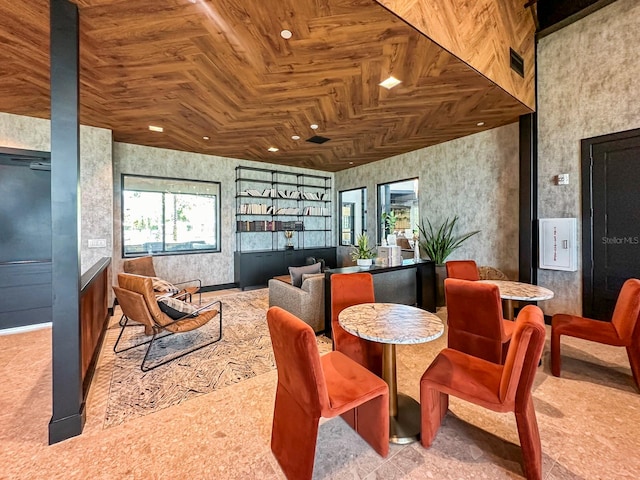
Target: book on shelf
pixel 315 211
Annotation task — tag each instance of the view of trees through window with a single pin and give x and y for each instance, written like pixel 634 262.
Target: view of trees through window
pixel 162 215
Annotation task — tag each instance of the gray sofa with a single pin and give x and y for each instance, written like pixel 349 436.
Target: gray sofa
pixel 306 302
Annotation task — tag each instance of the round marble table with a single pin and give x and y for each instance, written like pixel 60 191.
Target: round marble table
pixel 525 292
pixel 394 324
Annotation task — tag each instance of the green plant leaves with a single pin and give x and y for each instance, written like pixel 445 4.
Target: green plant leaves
pixel 439 243
pixel 361 249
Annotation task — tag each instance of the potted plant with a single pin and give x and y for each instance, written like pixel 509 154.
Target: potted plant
pixel 389 219
pixel 438 244
pixel 361 253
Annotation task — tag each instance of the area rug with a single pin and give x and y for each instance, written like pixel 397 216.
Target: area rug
pixel 244 352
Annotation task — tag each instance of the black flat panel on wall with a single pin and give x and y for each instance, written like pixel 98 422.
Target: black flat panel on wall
pixel 26 294
pixel 25 212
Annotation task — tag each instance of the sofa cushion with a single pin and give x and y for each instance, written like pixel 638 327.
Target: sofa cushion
pixel 160 285
pixel 175 308
pixel 297 272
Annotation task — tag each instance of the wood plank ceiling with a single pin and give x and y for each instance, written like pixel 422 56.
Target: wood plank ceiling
pixel 220 69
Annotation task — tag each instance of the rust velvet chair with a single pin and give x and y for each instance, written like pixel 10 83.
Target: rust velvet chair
pixel 622 331
pixel 139 304
pixel 501 388
pixel 475 322
pixel 144 266
pixel 462 269
pixel 349 289
pixel 310 387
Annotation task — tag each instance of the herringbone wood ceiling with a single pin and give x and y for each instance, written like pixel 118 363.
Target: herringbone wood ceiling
pixel 219 68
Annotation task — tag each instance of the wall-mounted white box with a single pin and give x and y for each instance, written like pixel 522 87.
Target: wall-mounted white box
pixel 558 247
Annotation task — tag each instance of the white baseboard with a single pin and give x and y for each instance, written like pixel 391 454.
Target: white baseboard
pixel 26 328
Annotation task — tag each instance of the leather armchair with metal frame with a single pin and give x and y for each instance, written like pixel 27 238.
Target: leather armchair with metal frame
pixel 144 266
pixel 139 304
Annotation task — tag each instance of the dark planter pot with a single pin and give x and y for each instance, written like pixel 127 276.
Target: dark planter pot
pixel 441 274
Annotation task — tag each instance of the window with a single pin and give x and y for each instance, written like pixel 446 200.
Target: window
pixel 353 215
pixel 169 216
pixel 398 209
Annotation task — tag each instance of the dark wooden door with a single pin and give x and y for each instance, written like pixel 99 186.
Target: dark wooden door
pixel 611 219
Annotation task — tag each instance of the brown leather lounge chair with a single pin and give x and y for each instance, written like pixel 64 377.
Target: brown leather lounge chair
pixel 139 304
pixel 501 388
pixel 144 266
pixel 622 331
pixel 310 387
pixel 475 322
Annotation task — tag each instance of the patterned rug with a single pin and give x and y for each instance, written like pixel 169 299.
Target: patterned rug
pixel 244 352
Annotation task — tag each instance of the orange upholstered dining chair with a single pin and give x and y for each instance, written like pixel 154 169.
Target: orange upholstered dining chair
pixel 475 322
pixel 310 387
pixel 462 269
pixel 622 331
pixel 348 289
pixel 501 388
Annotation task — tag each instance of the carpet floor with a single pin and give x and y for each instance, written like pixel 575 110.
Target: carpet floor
pixel 243 352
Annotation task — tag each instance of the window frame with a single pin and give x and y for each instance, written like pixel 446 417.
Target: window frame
pixel 164 252
pixel 363 207
pixel 380 223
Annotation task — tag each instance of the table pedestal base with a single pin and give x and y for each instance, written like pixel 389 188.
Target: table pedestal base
pixel 405 426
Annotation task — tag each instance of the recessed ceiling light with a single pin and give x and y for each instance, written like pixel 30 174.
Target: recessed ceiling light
pixel 350 163
pixel 390 82
pixel 286 34
pixel 205 138
pixel 480 124
pixel 313 126
pixel 273 149
pixel 153 128
pixel 295 137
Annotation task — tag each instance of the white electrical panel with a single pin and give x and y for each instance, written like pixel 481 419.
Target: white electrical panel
pixel 558 247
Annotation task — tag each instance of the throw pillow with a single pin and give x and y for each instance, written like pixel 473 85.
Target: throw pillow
pixel 163 286
pixel 297 272
pixel 175 308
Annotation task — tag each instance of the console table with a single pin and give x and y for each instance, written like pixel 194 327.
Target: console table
pixel 410 284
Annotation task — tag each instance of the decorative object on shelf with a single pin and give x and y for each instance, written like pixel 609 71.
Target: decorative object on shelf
pixel 361 253
pixel 288 234
pixel 416 248
pixel 438 244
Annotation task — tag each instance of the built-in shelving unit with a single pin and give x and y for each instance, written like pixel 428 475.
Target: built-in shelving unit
pixel 270 202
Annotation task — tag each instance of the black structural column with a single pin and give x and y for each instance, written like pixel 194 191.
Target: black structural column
pixel 528 256
pixel 68 407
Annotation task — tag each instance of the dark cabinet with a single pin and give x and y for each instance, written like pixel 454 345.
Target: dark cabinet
pixel 256 268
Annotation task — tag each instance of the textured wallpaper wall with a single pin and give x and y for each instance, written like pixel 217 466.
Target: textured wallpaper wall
pixel 211 268
pixel 588 84
pixel 474 177
pixel 95 176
